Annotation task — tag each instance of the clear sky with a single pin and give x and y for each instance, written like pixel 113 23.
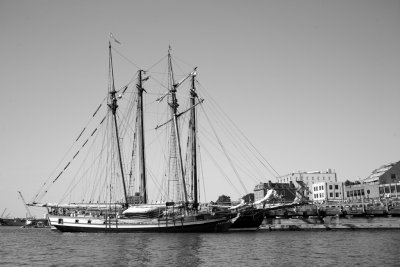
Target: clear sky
pixel 313 84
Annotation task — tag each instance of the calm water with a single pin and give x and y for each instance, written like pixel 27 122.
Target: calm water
pixel 43 247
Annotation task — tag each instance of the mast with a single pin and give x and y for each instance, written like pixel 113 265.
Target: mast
pixel 113 106
pixel 193 96
pixel 174 110
pixel 142 161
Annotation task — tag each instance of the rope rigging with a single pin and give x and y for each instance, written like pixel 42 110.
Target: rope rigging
pixel 104 179
pixel 46 185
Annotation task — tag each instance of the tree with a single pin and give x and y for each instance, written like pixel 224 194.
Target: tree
pixel 224 200
pixel 347 183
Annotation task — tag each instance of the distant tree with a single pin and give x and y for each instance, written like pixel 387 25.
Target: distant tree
pixel 224 200
pixel 347 182
pixel 248 198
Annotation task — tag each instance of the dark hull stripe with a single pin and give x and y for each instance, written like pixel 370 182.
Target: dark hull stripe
pixel 205 227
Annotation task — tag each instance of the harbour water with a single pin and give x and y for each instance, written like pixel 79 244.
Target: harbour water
pixel 43 247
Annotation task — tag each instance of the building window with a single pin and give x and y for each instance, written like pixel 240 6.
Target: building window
pixel 348 194
pixel 393 176
pixel 330 194
pixel 336 186
pixel 330 187
pixel 337 194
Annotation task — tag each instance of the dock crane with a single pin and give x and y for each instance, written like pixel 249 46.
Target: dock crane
pixel 3 213
pixel 26 207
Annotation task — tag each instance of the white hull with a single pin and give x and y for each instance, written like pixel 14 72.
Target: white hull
pixel 183 224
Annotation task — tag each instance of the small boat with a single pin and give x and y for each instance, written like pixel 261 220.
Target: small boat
pixel 376 209
pixel 330 210
pixel 354 210
pixel 36 223
pixel 394 209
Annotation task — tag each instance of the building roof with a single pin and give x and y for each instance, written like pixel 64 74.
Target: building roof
pixel 374 176
pixel 328 171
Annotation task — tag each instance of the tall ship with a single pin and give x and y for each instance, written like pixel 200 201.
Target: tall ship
pixel 116 208
pixel 116 161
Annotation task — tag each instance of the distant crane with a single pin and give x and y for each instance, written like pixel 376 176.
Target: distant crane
pixel 26 207
pixel 3 213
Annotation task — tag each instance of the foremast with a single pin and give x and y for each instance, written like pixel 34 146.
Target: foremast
pixel 112 104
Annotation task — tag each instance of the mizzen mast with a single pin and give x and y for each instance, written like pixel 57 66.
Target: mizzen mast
pixel 142 160
pixel 193 134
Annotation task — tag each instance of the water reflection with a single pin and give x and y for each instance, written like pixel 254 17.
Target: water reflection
pixel 175 250
pixel 326 248
pixel 148 249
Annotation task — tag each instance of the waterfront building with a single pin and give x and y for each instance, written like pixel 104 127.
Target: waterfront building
pixel 309 178
pixel 386 174
pixel 362 192
pixel 286 190
pixel 328 192
pixel 389 191
pixel 386 180
pixel 383 183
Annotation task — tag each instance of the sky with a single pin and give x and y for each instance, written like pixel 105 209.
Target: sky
pixel 313 84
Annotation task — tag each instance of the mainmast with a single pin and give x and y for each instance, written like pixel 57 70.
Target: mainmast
pixel 113 106
pixel 193 130
pixel 142 161
pixel 174 111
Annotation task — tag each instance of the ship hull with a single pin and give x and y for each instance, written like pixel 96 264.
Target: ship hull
pixel 12 222
pixel 76 224
pixel 249 220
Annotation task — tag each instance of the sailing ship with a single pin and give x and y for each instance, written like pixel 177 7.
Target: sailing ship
pixel 181 212
pixel 12 221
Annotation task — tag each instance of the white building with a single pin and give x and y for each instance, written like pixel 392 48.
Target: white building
pixel 328 192
pixel 309 178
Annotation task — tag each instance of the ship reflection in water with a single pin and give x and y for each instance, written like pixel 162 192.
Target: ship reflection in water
pixel 281 248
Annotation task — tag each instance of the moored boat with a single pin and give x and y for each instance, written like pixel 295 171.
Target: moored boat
pixel 12 221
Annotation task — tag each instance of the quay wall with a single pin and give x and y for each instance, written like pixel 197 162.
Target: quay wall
pixel 329 223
